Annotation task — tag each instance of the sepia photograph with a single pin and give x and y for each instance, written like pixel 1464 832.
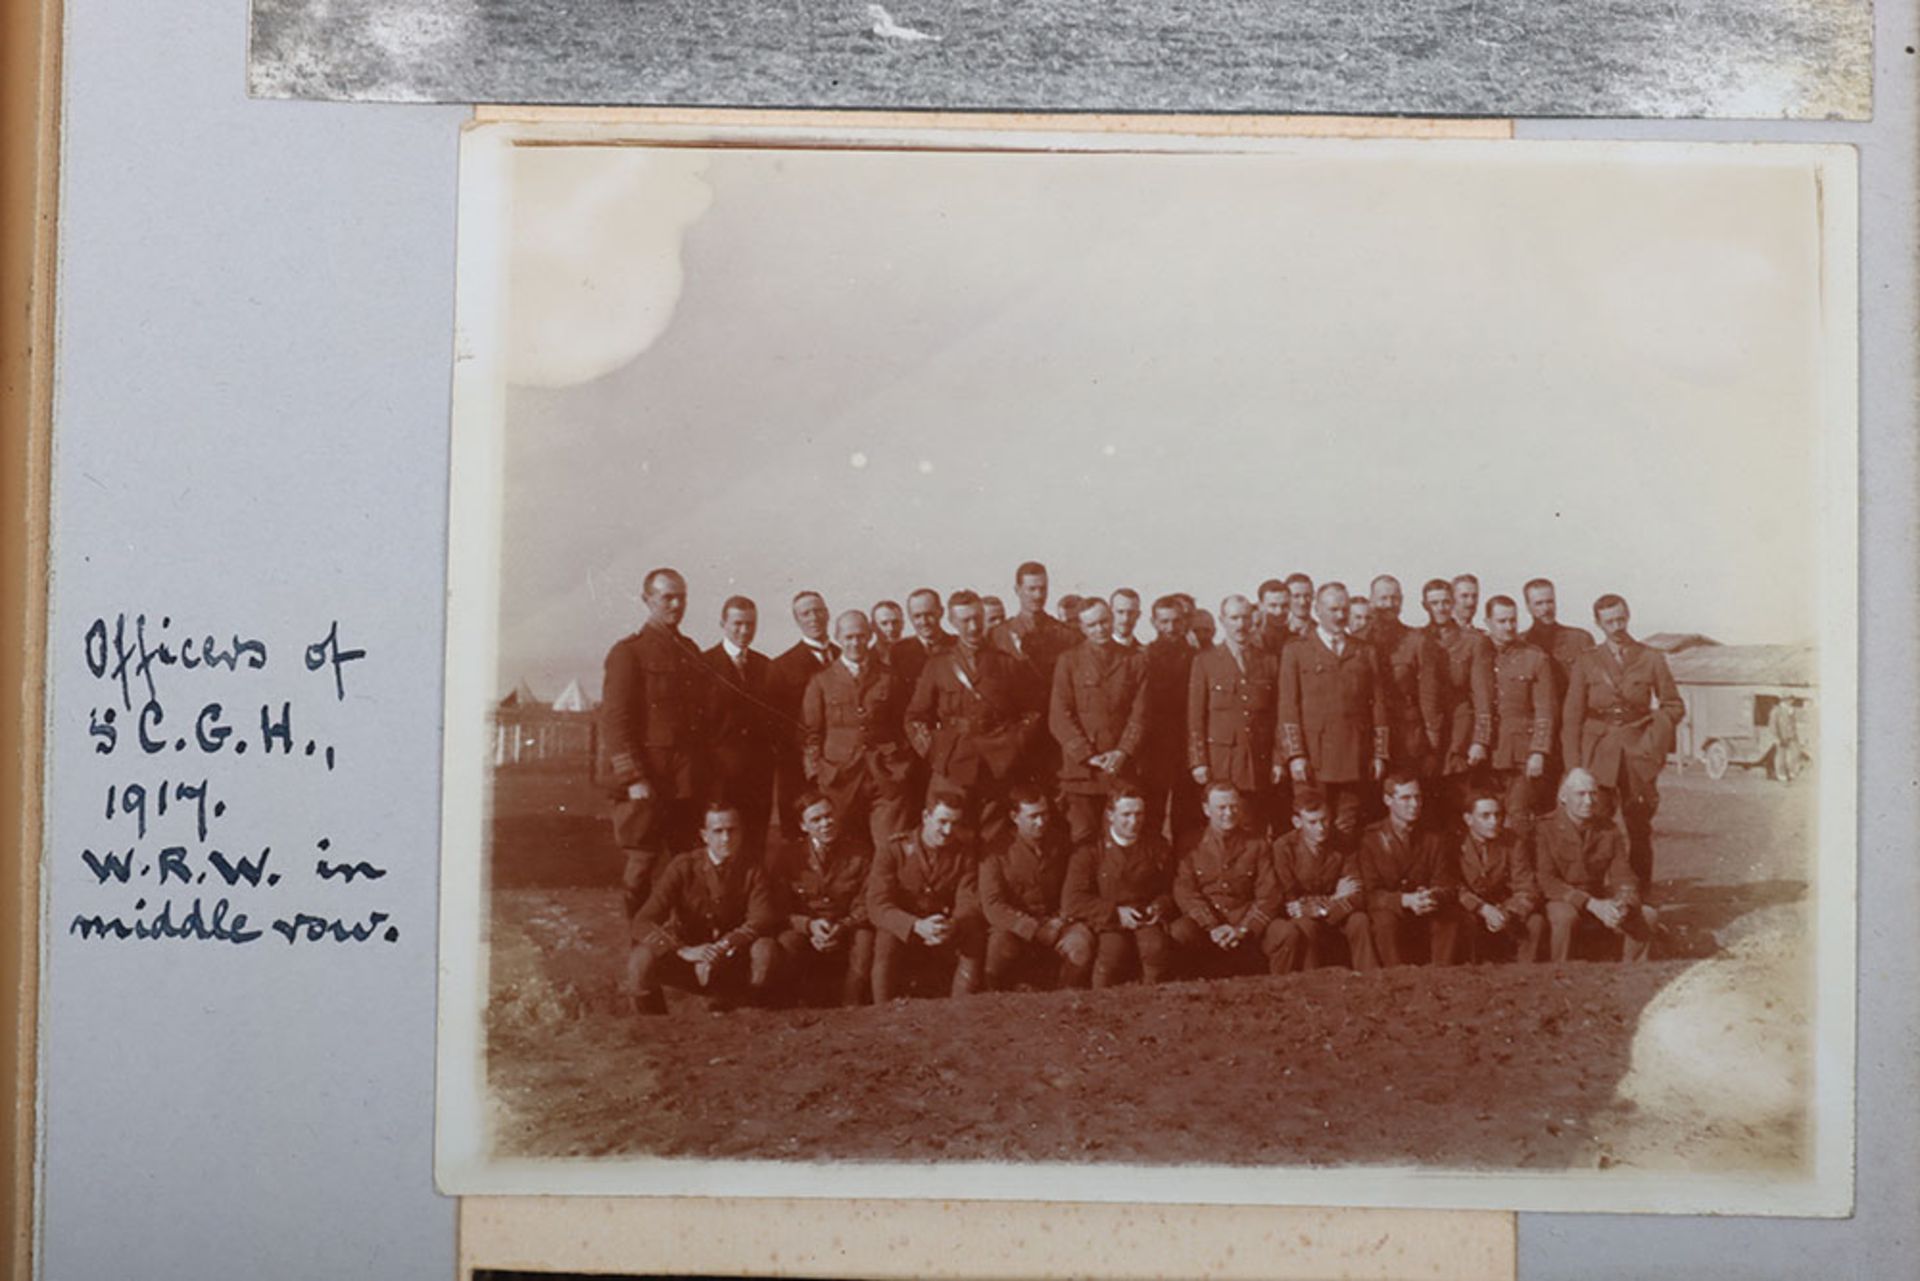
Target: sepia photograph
pixel 1297 672
pixel 1752 59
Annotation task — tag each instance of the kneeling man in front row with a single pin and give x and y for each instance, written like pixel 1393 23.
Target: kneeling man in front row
pixel 1223 886
pixel 1320 896
pixel 1412 885
pixel 1120 886
pixel 923 898
pixel 1020 895
pixel 1586 874
pixel 822 882
pixel 1498 891
pixel 709 923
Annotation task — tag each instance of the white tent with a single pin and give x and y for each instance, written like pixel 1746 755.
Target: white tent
pixel 571 699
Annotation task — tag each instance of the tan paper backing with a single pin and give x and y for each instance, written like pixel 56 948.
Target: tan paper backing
pixel 29 123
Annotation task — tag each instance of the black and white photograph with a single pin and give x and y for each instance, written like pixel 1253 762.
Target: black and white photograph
pixel 1267 673
pixel 1751 59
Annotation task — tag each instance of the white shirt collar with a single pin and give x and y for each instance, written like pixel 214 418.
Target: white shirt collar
pixel 733 651
pixel 1332 640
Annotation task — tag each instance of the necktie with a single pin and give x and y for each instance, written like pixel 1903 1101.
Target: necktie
pixel 740 665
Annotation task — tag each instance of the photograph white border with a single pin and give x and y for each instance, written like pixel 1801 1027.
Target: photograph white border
pixel 462 1164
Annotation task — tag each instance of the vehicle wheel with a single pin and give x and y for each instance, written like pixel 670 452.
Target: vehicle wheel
pixel 1717 760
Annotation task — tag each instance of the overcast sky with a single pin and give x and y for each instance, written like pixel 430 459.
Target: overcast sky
pixel 866 373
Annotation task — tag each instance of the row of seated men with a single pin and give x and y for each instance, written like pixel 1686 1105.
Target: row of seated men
pixel 1279 700
pixel 831 919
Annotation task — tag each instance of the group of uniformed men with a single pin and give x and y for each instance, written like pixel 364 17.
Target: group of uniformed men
pixel 1306 779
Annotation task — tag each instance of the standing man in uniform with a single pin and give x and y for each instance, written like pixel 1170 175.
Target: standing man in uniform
pixel 970 718
pixel 1412 884
pixel 652 737
pixel 855 750
pixel 1359 614
pixel 1466 601
pixel 742 725
pixel 1333 713
pixel 929 638
pixel 1785 728
pixel 1126 618
pixel 1020 895
pixel 1233 723
pixel 1618 724
pixel 709 924
pixel 1120 887
pixel 1499 895
pixel 923 898
pixel 1586 876
pixel 1561 645
pixel 1413 669
pixel 1167 778
pixel 1035 640
pixel 1525 717
pixel 1271 631
pixel 889 628
pixel 812 653
pixel 1299 605
pixel 1466 693
pixel 1098 716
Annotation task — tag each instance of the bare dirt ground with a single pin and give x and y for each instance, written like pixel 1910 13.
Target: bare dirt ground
pixel 1454 57
pixel 1495 1067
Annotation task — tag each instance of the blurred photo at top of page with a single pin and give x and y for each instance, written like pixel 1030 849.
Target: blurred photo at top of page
pixel 1740 59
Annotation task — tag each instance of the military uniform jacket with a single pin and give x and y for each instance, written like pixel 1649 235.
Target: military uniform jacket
pixel 1226 880
pixel 909 658
pixel 829 884
pixel 1020 886
pixel 1099 705
pixel 1500 873
pixel 1573 864
pixel 1233 721
pixel 1392 864
pixel 968 715
pixel 1466 694
pixel 1620 714
pixel 1103 877
pixel 1562 646
pixel 653 712
pixel 1412 669
pixel 1163 753
pixel 742 722
pixel 908 882
pixel 1524 710
pixel 695 903
pixel 1300 874
pixel 853 725
pixel 1036 641
pixel 1333 708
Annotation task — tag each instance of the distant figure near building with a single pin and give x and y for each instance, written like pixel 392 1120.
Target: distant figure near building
pixel 1784 723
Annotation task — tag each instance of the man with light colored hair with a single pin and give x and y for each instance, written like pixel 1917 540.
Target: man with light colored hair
pixel 812 653
pixel 1233 723
pixel 1125 603
pixel 1586 877
pixel 854 747
pixel 1333 712
pixel 1098 715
